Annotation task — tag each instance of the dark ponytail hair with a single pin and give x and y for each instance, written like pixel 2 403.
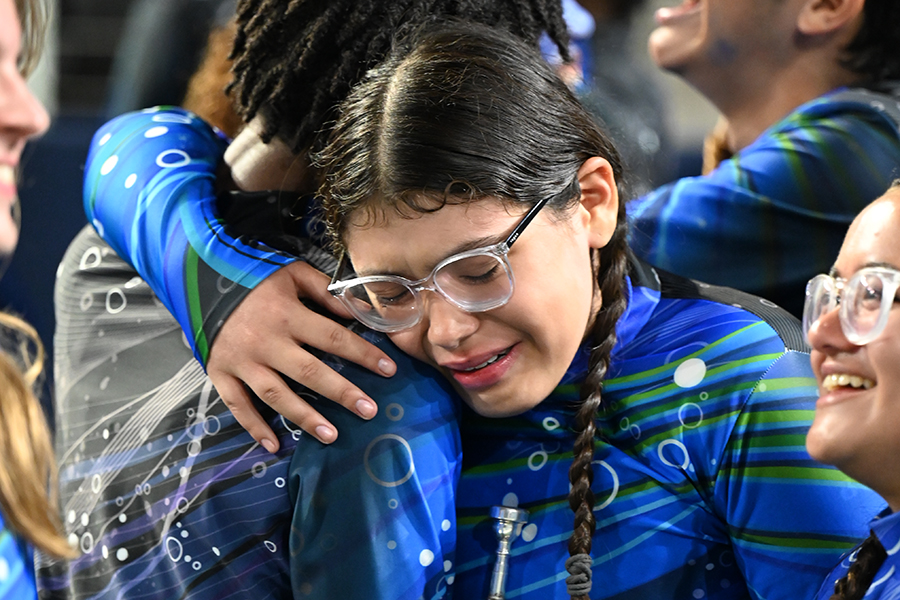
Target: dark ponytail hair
pixel 467 113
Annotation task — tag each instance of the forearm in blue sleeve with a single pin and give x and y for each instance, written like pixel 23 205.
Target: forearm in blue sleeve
pixel 150 192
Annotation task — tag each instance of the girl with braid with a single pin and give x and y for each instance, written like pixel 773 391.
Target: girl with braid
pixel 479 213
pixel 164 492
pixel 850 318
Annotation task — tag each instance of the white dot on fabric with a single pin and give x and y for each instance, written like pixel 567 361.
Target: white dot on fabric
pixel 445 525
pixel 106 137
pixel 104 551
pixel 447 566
pixel 71 516
pixel 4 569
pixel 391 545
pixel 122 554
pixel 761 387
pixel 690 373
pixel 155 132
pixel 529 532
pixel 130 181
pixel 122 518
pixel 216 551
pixel 109 164
pixel 510 499
pixel 73 540
pixel 85 519
pixel 699 594
pixel 173 158
pixel 426 557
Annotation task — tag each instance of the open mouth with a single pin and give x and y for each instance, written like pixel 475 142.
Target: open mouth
pixel 7 180
pixel 669 13
pixel 842 380
pixel 488 362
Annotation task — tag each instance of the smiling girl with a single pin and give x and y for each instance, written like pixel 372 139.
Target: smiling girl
pixel 482 213
pixel 28 517
pixel 852 325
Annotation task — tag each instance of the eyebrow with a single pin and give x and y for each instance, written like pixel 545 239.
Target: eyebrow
pixel 482 242
pixel 884 265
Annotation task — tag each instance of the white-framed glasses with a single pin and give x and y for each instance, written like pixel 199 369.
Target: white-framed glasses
pixel 475 281
pixel 864 302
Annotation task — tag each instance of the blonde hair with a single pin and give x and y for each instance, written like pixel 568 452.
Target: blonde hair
pixel 33 19
pixel 28 473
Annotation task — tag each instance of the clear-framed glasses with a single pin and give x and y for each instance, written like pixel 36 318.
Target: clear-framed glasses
pixel 475 281
pixel 864 302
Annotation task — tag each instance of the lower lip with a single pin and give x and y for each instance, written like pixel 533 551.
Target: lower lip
pixel 670 14
pixel 487 376
pixel 838 395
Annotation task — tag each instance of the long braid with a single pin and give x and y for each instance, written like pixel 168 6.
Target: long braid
pixel 295 60
pixel 611 282
pixel 856 582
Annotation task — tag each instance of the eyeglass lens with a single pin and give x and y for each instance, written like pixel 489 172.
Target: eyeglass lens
pixel 474 283
pixel 861 299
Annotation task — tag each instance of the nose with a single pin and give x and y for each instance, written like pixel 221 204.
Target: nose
pixel 22 115
pixel 448 325
pixel 826 334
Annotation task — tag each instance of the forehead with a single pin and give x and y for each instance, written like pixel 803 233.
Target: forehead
pixel 386 238
pixel 874 236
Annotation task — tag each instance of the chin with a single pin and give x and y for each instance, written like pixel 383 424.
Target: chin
pixel 495 409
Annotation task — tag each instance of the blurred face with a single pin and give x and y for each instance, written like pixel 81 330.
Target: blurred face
pixel 705 40
pixel 857 421
pixel 506 360
pixel 21 116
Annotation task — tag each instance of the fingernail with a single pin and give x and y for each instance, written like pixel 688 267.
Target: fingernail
pixel 325 434
pixel 386 366
pixel 268 445
pixel 366 408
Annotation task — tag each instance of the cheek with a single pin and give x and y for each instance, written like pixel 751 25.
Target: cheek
pixel 410 342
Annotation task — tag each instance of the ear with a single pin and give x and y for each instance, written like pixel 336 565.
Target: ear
pixel 819 17
pixel 599 200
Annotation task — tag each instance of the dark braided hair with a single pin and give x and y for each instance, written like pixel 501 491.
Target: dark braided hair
pixel 470 113
pixel 295 60
pixel 873 51
pixel 856 582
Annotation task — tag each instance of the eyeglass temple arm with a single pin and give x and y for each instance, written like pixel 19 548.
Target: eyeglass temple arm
pixel 529 216
pixel 337 273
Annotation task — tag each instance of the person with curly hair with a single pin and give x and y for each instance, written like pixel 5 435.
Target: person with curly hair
pixel 162 489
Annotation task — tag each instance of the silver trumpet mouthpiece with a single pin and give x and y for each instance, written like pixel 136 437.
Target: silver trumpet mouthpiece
pixel 508 525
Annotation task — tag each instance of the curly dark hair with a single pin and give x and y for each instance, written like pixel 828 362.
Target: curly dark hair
pixel 295 60
pixel 873 51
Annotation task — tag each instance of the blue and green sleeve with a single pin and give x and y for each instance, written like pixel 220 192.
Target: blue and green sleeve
pixel 150 192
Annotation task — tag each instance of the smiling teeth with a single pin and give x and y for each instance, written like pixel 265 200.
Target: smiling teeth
pixel 7 175
pixel 837 380
pixel 489 361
